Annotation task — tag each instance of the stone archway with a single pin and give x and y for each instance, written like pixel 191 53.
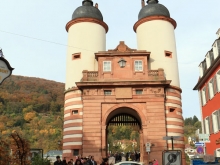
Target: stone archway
pixel 120 114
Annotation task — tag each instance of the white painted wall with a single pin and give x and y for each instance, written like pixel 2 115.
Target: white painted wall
pixel 87 38
pixel 156 37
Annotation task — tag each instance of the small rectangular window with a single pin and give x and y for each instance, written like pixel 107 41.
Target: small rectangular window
pixel 74 112
pixel 75 152
pixel 138 65
pixel 107 66
pixel 139 91
pixel 76 56
pixel 107 92
pixel 168 54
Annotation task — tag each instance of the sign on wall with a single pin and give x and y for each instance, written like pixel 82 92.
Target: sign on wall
pixel 5 69
pixel 172 157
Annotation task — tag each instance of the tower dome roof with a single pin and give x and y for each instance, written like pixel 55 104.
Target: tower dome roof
pixel 152 9
pixel 87 10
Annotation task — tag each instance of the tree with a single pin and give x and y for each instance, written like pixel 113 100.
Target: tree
pixel 20 150
pixel 4 152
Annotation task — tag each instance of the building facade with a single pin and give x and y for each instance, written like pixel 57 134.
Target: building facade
pixel 137 86
pixel 208 87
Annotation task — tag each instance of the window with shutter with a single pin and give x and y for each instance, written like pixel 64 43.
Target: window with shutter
pixel 218 80
pixel 207 128
pixel 210 124
pixel 215 121
pixel 200 93
pixel 218 118
pixel 215 85
pixel 207 93
pixel 204 126
pixel 211 89
pixel 204 96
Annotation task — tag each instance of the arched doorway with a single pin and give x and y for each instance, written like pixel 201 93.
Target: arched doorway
pixel 120 119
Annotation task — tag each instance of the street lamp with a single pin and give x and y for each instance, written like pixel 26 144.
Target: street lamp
pixel 108 148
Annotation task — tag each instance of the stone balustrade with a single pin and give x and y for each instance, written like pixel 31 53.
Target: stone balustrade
pixel 151 75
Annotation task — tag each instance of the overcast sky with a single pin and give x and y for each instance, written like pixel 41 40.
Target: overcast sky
pixel 34 39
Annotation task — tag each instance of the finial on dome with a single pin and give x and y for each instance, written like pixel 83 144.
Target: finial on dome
pixel 142 3
pixel 152 1
pixel 97 5
pixel 87 3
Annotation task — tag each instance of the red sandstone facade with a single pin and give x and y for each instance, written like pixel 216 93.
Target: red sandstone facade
pixel 209 88
pixel 144 94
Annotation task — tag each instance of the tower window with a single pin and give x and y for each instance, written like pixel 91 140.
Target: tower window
pixel 74 112
pixel 172 109
pixel 76 56
pixel 107 66
pixel 139 91
pixel 107 92
pixel 168 54
pixel 138 65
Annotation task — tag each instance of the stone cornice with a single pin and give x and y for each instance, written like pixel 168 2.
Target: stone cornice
pixel 122 83
pixel 92 20
pixel 151 18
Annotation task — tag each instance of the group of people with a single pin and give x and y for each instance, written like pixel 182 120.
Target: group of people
pixel 79 161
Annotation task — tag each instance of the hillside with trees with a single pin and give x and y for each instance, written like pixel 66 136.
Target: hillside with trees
pixel 33 107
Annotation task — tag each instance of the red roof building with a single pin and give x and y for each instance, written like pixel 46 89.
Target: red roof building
pixel 208 87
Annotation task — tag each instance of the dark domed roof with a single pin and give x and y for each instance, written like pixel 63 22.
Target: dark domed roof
pixel 87 10
pixel 153 9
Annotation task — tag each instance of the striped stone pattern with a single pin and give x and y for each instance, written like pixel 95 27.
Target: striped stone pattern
pixel 174 118
pixel 73 126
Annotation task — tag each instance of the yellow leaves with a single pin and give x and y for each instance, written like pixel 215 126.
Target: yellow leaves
pixel 28 109
pixel 52 131
pixel 43 132
pixel 29 116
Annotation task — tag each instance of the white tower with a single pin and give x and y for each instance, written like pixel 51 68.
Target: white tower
pixel 155 33
pixel 86 35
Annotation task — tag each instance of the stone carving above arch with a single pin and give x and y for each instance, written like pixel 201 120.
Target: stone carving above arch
pixel 124 105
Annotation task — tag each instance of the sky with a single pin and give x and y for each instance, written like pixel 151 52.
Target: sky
pixel 34 40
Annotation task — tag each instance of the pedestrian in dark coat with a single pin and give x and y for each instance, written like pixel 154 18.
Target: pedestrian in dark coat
pixel 58 162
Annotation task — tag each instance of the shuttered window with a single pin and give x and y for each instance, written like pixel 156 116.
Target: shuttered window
pixel 218 80
pixel 215 84
pixel 204 96
pixel 215 121
pixel 207 125
pixel 210 125
pixel 207 93
pixel 211 88
pixel 218 119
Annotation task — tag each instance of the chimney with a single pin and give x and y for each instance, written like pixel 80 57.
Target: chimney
pixel 97 5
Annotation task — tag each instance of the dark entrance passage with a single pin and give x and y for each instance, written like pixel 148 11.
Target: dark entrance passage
pixel 123 135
